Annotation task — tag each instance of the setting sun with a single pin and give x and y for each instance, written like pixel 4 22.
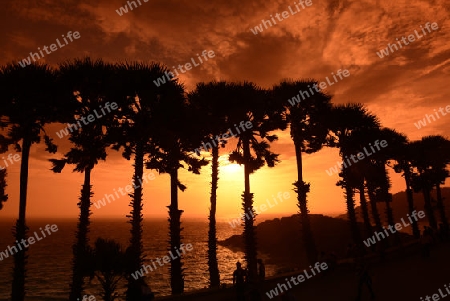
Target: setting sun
pixel 227 167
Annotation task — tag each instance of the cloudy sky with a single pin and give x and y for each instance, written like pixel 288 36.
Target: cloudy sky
pixel 312 43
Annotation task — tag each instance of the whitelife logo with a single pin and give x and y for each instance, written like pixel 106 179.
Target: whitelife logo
pixel 27 61
pixel 335 169
pixel 284 16
pixel 423 122
pixel 31 240
pixel 124 9
pixel 300 278
pixel 90 118
pixel 16 158
pixel 371 240
pixel 169 75
pixel 165 259
pixel 411 38
pixel 262 208
pixel 323 85
pixel 207 146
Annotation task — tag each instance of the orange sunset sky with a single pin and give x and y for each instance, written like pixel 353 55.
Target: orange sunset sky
pixel 323 38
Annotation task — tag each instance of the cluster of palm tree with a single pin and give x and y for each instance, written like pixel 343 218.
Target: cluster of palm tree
pixel 146 127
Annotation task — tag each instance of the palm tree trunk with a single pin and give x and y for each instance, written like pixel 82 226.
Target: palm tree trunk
pixel 302 190
pixel 79 248
pixel 176 271
pixel 374 209
pixel 356 235
pixel 20 230
pixel 249 228
pixel 389 212
pixel 410 199
pixel 213 266
pixel 365 211
pixel 136 256
pixel 441 206
pixel 429 208
pixel 390 217
pixel 108 288
pixel 376 215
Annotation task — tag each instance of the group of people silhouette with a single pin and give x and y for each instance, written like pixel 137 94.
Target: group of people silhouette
pixel 241 283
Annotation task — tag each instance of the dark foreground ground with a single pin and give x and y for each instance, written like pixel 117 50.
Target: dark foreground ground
pixel 402 275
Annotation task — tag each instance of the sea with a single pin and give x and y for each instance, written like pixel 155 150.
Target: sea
pixel 49 260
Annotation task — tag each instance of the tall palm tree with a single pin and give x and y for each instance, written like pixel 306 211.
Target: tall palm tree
pixel 359 173
pixel 3 195
pixel 438 152
pixel 432 158
pixel 87 82
pixel 3 148
pixel 25 112
pixel 401 156
pixel 308 131
pixel 175 150
pixel 209 102
pixel 345 119
pixel 252 105
pixel 423 179
pixel 136 124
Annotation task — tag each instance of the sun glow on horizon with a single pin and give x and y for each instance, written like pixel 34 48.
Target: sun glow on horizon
pixel 229 168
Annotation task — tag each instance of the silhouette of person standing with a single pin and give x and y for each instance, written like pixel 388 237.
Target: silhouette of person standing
pixel 239 279
pixel 147 294
pixel 288 296
pixel 363 279
pixel 426 240
pixel 261 271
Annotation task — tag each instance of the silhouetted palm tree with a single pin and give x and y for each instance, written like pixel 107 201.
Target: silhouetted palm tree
pixel 343 121
pixel 87 82
pixel 3 195
pixel 176 144
pixel 140 102
pixel 253 106
pixel 107 262
pixel 359 171
pixel 422 178
pixel 308 131
pixel 432 157
pixel 209 102
pixel 438 151
pixel 25 111
pixel 3 148
pixel 401 155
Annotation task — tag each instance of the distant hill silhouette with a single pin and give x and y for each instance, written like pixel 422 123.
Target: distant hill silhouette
pixel 400 207
pixel 281 240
